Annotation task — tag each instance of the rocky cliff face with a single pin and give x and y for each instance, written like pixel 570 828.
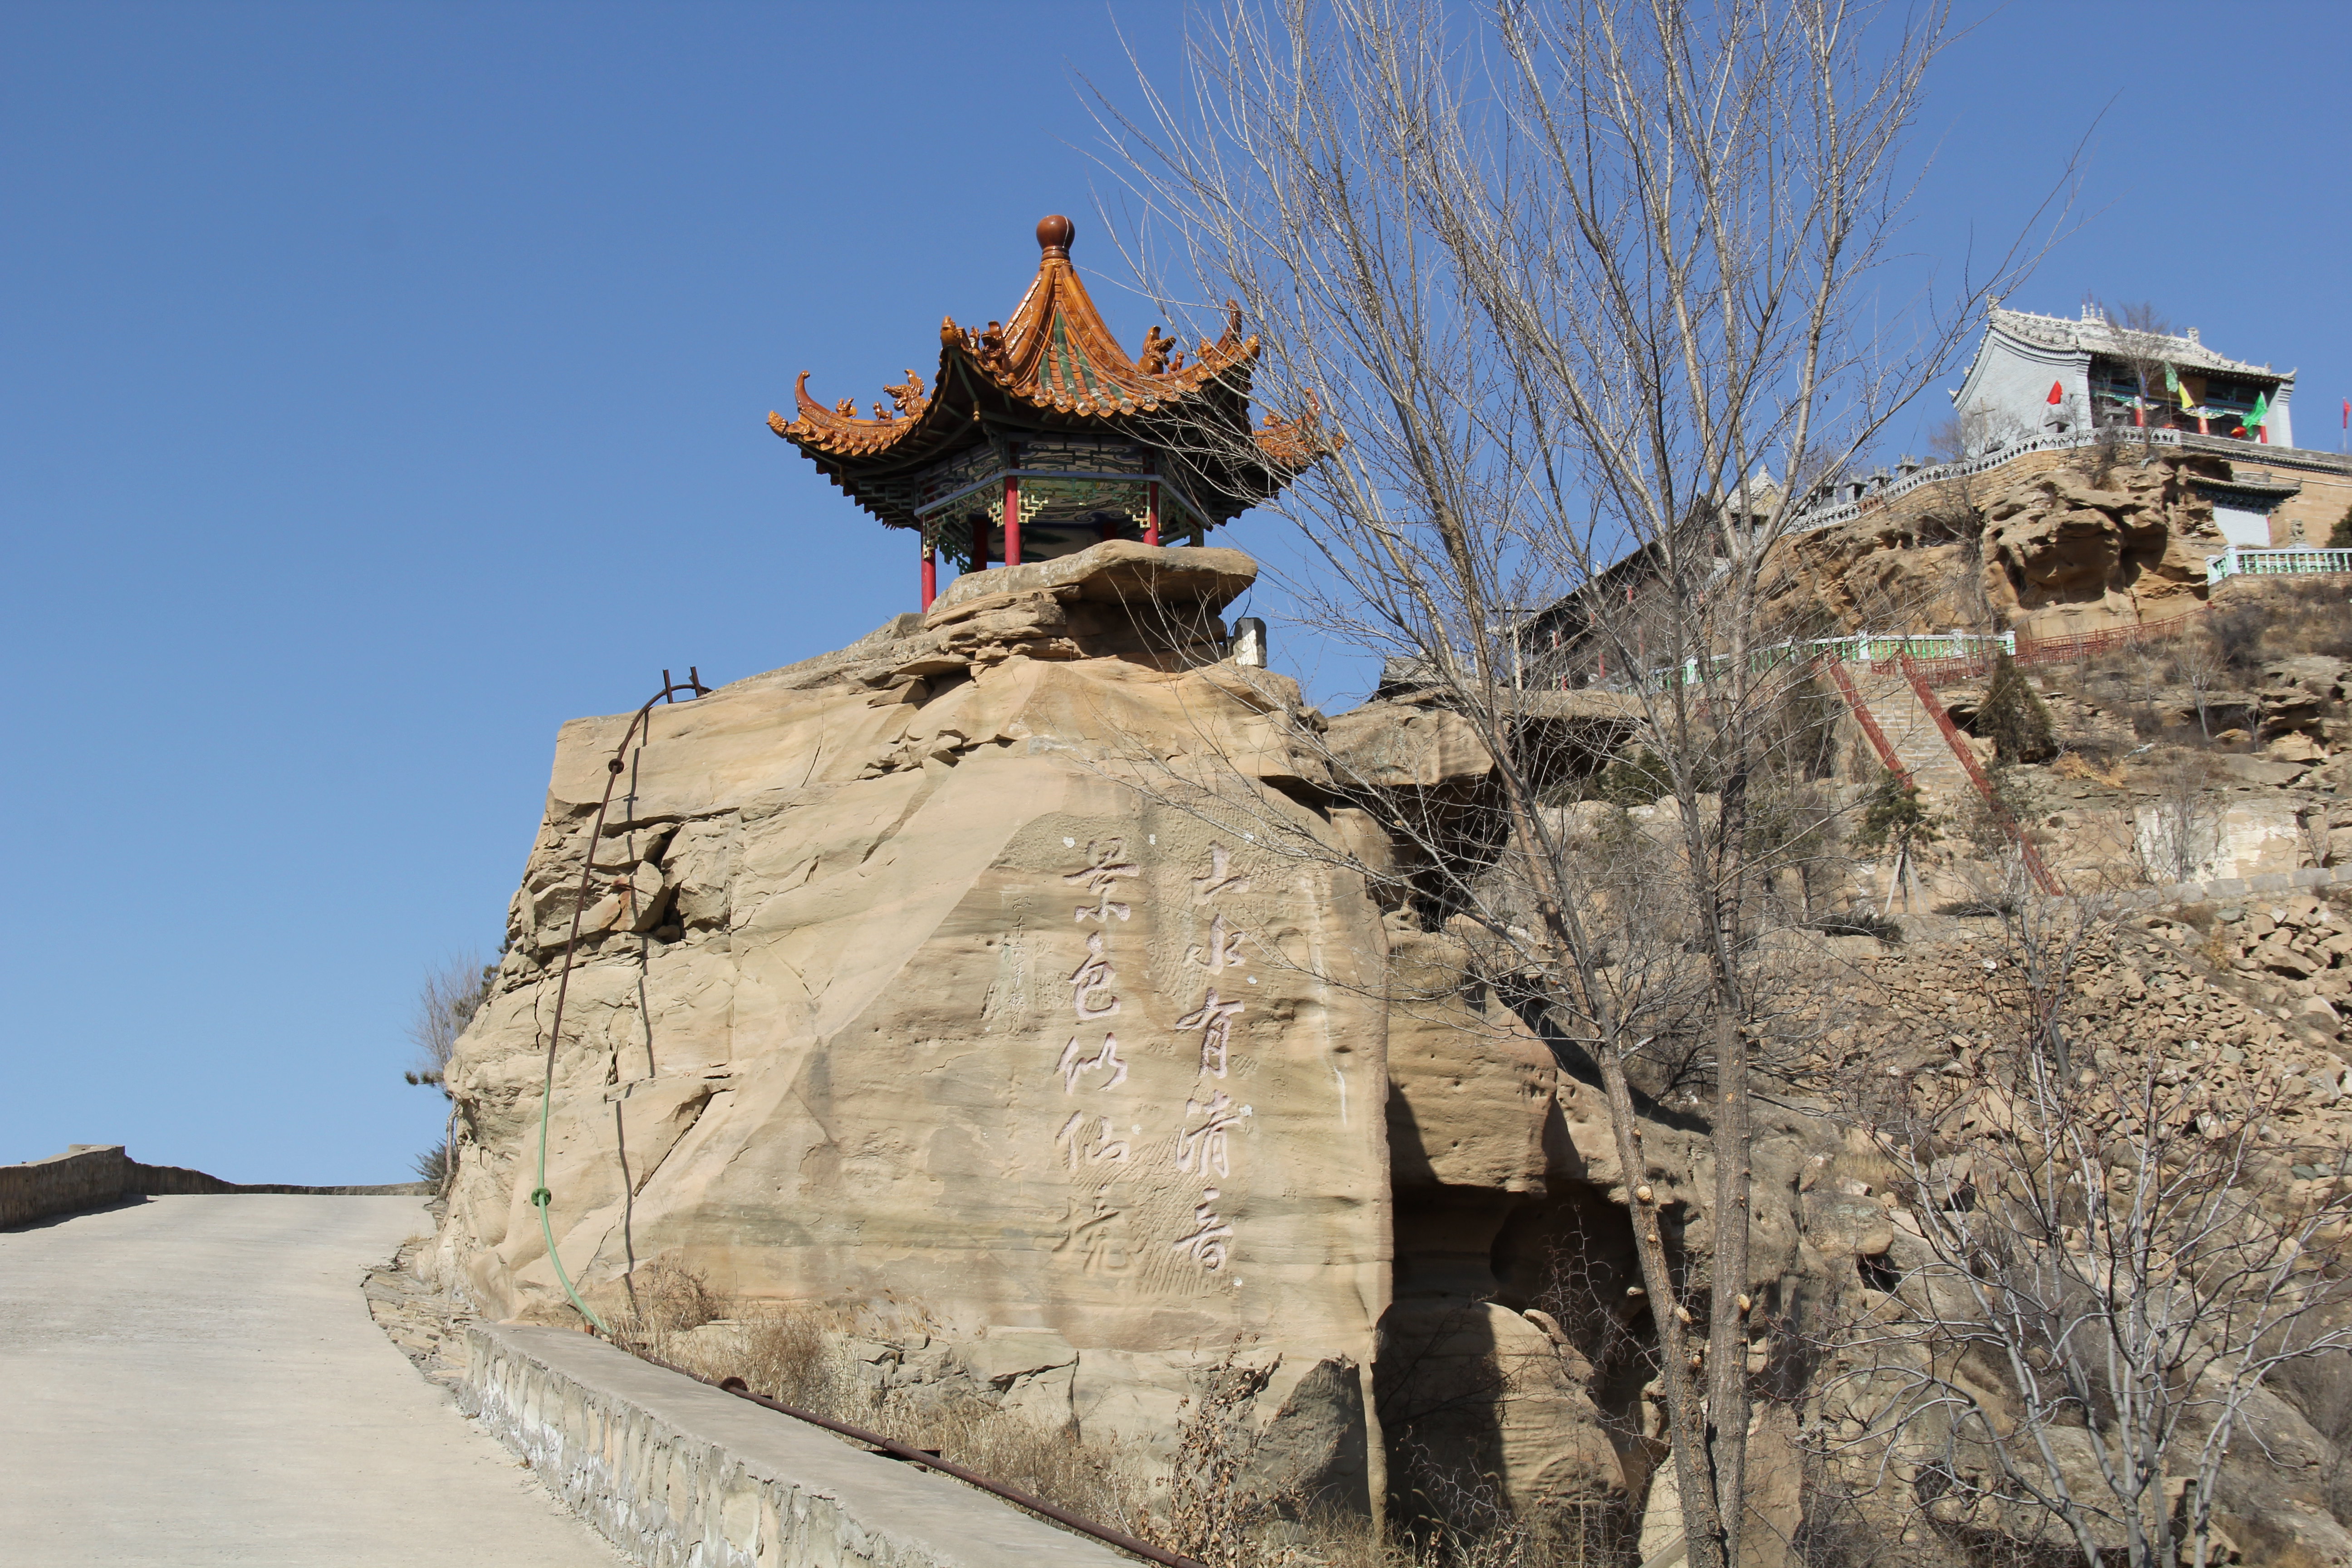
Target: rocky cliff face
pixel 906 981
pixel 958 977
pixel 2044 544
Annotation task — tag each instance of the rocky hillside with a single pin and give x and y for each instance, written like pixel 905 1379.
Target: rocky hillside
pixel 959 985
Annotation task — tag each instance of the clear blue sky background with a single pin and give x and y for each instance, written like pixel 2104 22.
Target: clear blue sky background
pixel 384 385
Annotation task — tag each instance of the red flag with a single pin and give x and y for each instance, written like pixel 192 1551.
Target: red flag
pixel 2348 413
pixel 2057 393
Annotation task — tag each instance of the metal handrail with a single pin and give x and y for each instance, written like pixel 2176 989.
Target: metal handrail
pixel 1934 707
pixel 1876 736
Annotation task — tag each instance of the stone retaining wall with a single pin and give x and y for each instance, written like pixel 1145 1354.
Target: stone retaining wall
pixel 679 1475
pixel 83 1177
pixel 90 1176
pixel 158 1181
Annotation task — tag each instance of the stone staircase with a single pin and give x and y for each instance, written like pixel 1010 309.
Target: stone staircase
pixel 1916 739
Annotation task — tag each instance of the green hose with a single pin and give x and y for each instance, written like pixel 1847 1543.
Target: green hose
pixel 540 1196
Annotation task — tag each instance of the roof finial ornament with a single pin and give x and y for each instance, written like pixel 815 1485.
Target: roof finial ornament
pixel 1054 234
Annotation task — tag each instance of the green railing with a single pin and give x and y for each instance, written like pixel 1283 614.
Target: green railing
pixel 1860 648
pixel 2240 562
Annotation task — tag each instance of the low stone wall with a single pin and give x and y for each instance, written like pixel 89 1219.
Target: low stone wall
pixel 92 1176
pixel 158 1181
pixel 676 1473
pixel 85 1176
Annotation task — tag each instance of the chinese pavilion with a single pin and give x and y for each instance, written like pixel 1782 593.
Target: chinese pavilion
pixel 1040 436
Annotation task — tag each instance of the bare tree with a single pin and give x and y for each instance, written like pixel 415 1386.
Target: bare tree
pixel 2096 1272
pixel 2202 668
pixel 1546 286
pixel 2178 830
pixel 451 994
pixel 1976 431
pixel 2143 339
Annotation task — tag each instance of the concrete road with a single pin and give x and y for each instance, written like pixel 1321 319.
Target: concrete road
pixel 196 1380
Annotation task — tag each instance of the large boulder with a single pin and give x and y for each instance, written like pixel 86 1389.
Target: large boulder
pixel 905 980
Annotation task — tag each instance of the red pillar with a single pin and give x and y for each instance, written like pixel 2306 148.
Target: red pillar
pixel 1012 522
pixel 930 572
pixel 1152 513
pixel 980 544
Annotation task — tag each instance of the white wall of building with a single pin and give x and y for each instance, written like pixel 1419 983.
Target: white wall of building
pixel 2010 383
pixel 2240 526
pixel 2278 425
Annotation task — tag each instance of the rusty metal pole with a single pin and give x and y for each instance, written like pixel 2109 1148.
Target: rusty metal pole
pixel 932 1461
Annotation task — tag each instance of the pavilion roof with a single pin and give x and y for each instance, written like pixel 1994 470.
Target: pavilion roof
pixel 1053 368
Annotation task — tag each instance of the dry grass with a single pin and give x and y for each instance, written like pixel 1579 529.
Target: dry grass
pixel 1109 1483
pixel 797 1353
pixel 2079 765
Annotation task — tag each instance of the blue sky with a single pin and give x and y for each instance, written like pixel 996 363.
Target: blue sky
pixel 385 384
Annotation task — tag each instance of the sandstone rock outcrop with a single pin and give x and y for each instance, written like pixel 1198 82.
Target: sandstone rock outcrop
pixel 903 981
pixel 2034 546
pixel 958 975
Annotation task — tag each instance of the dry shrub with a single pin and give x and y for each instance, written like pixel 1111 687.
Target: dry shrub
pixel 788 1354
pixel 1107 1483
pixel 1212 1513
pixel 661 1300
pixel 2079 765
pixel 1464 1521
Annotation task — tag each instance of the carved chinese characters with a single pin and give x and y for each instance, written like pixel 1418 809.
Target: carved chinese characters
pixel 1090 984
pixel 1099 878
pixel 1214 1018
pixel 1076 1063
pixel 1204 1143
pixel 1207 1245
pixel 1088 1140
pixel 1094 1141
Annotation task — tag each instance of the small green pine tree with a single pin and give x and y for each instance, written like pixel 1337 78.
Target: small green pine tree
pixel 1897 818
pixel 1634 781
pixel 2013 717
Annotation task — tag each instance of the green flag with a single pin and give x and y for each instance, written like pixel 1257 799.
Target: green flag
pixel 2261 411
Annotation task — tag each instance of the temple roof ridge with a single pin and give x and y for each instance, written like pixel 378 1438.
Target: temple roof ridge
pixel 1055 352
pixel 2099 335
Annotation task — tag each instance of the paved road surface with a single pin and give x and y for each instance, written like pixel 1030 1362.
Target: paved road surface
pixel 195 1381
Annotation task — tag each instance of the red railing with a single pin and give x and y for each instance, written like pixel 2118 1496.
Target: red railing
pixel 1869 725
pixel 2042 877
pixel 2054 651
